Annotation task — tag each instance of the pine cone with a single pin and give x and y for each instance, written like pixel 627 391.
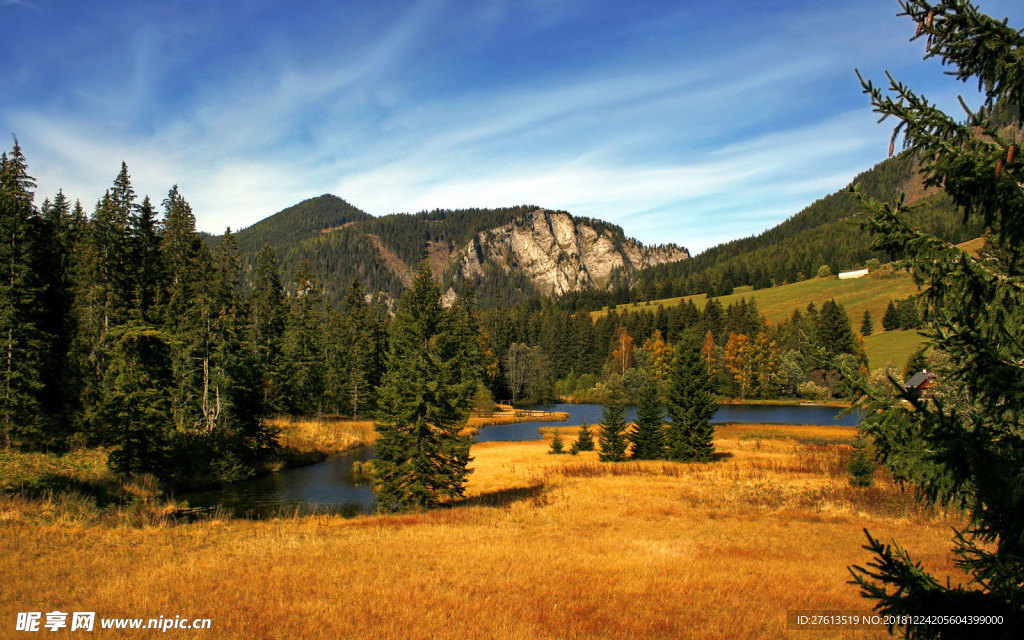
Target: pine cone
pixel 999 168
pixel 1010 152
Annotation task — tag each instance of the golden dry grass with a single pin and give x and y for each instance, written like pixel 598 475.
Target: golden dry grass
pixel 543 546
pixel 322 435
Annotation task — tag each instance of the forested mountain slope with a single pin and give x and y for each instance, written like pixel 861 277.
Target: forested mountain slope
pixel 505 255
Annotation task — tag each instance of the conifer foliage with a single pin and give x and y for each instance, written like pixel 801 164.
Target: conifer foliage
pixel 612 435
pixel 691 405
pixel 424 400
pixel 648 437
pixel 21 342
pixel 584 441
pixel 964 447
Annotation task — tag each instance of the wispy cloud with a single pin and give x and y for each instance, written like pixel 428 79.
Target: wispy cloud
pixel 647 117
pixel 21 3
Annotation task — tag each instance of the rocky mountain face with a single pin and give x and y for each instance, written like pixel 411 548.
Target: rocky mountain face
pixel 506 255
pixel 559 253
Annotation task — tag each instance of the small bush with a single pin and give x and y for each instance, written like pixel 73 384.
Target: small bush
pixel 862 462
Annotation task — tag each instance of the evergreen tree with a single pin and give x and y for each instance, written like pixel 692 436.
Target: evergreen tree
pixel 427 391
pixel 304 347
pixel 61 233
pixel 135 408
pixel 834 332
pixel 557 444
pixel 267 321
pixel 891 319
pixel 612 435
pixel 965 447
pixel 146 265
pixel 691 405
pixel 866 327
pixel 916 362
pixel 352 354
pixel 585 440
pixel 182 256
pixel 22 345
pixel 861 464
pixel 648 438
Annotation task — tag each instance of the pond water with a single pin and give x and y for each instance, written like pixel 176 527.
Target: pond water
pixel 742 413
pixel 324 487
pixel 331 487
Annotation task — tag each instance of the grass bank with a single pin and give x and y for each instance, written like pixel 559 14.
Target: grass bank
pixel 308 440
pixel 543 546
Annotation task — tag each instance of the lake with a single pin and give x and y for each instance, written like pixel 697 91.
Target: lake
pixel 331 487
pixel 742 413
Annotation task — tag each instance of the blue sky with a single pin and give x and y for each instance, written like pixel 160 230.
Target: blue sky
pixel 686 122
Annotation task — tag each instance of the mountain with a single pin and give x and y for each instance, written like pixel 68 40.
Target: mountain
pixel 505 255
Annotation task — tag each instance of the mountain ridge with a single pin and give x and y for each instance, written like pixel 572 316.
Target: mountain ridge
pixel 505 255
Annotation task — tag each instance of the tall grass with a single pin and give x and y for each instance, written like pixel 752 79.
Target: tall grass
pixel 541 547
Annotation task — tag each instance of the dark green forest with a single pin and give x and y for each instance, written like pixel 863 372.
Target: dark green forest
pixel 122 328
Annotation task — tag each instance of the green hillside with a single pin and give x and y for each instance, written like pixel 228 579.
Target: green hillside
pixel 871 293
pixel 891 348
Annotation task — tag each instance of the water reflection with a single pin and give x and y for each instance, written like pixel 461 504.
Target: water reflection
pixel 746 414
pixel 325 487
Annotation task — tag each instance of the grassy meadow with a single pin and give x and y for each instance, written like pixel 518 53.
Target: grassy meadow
pixel 543 546
pixel 870 293
pixel 891 348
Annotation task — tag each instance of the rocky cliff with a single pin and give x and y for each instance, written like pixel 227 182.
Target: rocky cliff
pixel 559 253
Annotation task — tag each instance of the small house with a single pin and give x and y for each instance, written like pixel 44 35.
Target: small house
pixel 921 383
pixel 853 275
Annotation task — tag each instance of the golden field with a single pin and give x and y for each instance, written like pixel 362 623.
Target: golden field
pixel 543 546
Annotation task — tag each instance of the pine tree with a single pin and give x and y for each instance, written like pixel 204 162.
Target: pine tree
pixel 425 397
pixel 22 344
pixel 146 265
pixel 648 438
pixel 584 441
pixel 834 333
pixel 891 319
pixel 135 408
pixel 557 444
pixel 304 348
pixel 861 464
pixel 917 361
pixel 612 435
pixel 267 321
pixel 691 405
pixel 61 235
pixel 965 447
pixel 182 256
pixel 866 327
pixel 350 354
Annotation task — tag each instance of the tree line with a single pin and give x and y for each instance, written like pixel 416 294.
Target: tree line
pixel 537 351
pixel 123 328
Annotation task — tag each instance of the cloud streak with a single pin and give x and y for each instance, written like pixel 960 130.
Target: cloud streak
pixel 646 118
